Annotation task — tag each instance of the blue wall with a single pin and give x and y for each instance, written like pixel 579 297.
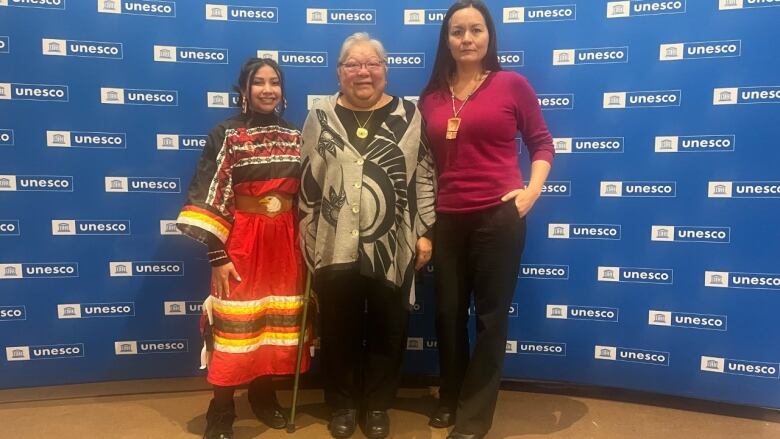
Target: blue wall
pixel 652 257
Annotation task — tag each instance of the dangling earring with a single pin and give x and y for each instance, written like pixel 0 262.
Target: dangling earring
pixel 243 105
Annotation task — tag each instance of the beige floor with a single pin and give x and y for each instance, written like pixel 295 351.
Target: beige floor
pixel 31 413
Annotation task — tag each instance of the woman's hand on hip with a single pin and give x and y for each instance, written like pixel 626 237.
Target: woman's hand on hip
pixel 524 200
pixel 424 249
pixel 220 279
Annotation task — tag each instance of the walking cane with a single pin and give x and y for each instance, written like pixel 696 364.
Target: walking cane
pixel 301 338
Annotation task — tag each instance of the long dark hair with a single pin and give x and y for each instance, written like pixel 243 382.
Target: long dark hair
pixel 444 66
pixel 248 70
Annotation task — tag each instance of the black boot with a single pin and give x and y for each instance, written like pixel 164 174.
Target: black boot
pixel 219 421
pixel 265 406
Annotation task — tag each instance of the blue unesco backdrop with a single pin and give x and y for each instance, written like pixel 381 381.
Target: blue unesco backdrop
pixel 651 261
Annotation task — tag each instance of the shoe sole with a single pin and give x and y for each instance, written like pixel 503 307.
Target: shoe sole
pixel 341 435
pixel 435 424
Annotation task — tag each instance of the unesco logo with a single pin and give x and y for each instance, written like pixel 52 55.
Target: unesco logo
pixel 33 92
pixel 543 271
pixel 85 139
pixel 340 16
pixel 579 145
pixel 696 143
pixel 539 13
pixel 731 366
pixel 90 310
pixel 216 99
pixel 511 58
pixel 746 95
pixel 635 275
pixel 168 227
pixel 261 14
pixel 725 279
pixel 143 184
pixel 739 4
pixel 556 189
pixel 6 137
pixel 687 320
pixel 11 313
pixel 39 270
pixel 415 344
pixel 663 189
pixel 193 55
pixel 632 355
pixel 289 58
pixel 141 347
pixel 631 8
pixel 9 228
pixel 137 268
pixel 578 312
pixel 90 227
pixel 419 17
pixel 36 183
pixel 177 142
pixel 596 55
pixel 420 344
pixel 583 231
pixel 408 60
pixel 540 348
pixel 85 49
pixel 42 4
pixel 183 308
pixel 702 49
pixel 153 8
pixel 556 101
pixel 130 96
pixel 44 352
pixel 743 189
pixel 642 99
pixel 708 234
pixel 5 44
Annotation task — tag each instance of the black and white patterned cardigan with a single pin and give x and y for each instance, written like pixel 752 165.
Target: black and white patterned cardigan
pixel 366 211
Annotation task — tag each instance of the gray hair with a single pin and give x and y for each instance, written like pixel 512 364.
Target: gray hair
pixel 362 38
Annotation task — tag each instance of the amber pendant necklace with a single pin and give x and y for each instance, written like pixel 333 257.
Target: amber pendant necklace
pixel 453 123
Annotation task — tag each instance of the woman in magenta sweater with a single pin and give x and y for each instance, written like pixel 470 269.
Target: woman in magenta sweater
pixel 473 112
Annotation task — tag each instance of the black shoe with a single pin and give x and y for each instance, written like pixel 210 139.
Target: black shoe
pixel 219 421
pixel 342 423
pixel 266 407
pixel 376 424
pixel 443 418
pixel 271 416
pixel 457 435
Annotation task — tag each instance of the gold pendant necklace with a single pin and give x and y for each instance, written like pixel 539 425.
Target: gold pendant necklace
pixel 361 130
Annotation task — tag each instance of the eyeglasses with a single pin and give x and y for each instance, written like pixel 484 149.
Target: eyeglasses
pixel 354 67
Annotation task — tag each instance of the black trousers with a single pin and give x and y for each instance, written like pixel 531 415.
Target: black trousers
pixel 477 253
pixel 363 340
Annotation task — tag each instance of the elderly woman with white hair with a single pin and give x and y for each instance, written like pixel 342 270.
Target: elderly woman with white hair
pixel 366 209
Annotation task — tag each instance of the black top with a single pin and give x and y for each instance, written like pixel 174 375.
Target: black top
pixel 347 118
